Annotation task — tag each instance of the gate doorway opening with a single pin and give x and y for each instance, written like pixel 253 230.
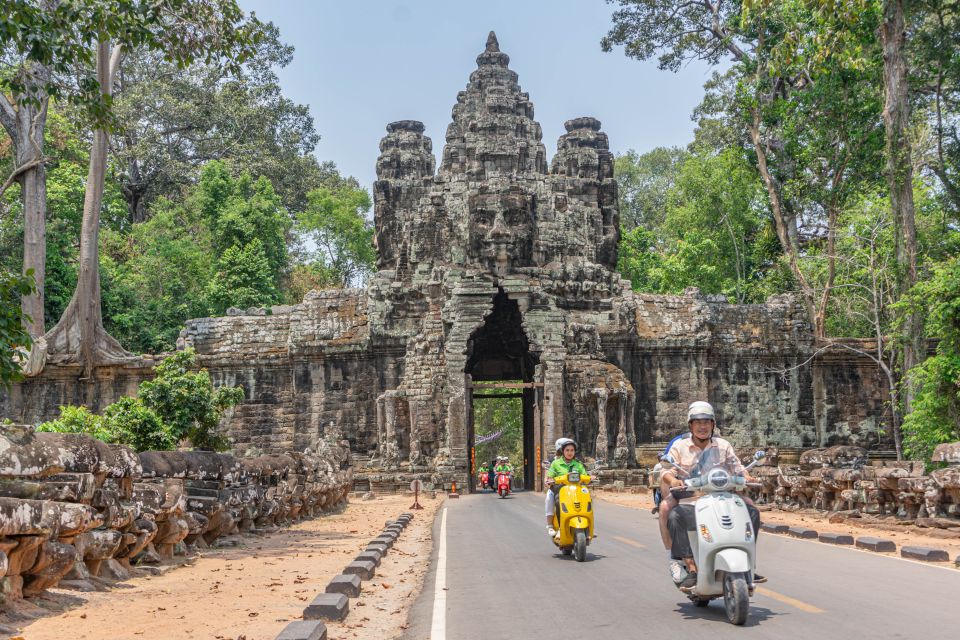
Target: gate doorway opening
pixel 503 395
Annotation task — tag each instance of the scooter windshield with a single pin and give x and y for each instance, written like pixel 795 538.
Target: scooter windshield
pixel 713 471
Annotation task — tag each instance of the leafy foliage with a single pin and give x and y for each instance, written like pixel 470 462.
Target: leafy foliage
pixel 186 401
pixel 935 417
pixel 80 420
pixel 500 414
pixel 335 221
pixel 13 336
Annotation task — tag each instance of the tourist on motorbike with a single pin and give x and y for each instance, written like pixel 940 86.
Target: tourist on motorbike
pixel 564 463
pixel 680 518
pixel 484 470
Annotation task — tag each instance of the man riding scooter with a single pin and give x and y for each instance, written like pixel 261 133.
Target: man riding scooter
pixel 686 454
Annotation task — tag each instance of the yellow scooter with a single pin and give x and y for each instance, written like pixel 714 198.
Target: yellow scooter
pixel 573 516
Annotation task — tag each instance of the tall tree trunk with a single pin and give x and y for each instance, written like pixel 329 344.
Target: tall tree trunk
pixel 784 223
pixel 899 171
pixel 33 190
pixel 80 336
pixel 25 123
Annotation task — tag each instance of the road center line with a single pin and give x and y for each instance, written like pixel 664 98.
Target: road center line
pixel 632 543
pixel 438 628
pixel 793 602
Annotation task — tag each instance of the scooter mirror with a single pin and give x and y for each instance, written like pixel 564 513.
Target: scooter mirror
pixel 759 455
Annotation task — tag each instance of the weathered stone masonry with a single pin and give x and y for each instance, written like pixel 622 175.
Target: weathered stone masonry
pixel 500 265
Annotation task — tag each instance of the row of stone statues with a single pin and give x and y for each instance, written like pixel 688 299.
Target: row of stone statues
pixel 842 478
pixel 75 511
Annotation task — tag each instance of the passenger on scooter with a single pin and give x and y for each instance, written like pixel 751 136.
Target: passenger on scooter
pixel 686 454
pixel 564 463
pixel 657 493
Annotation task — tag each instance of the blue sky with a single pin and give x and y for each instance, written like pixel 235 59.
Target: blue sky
pixel 360 64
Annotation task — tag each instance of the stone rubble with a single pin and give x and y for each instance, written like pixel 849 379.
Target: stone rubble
pixel 76 512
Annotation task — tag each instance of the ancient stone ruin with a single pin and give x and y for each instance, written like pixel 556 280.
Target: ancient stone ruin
pixel 77 513
pixel 498 271
pixel 843 479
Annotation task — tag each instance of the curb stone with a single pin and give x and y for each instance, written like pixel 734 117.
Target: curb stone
pixel 304 630
pixel 926 554
pixel 328 606
pixel 836 538
pixel 369 556
pixel 364 569
pixel 875 544
pixel 802 533
pixel 347 585
pixel 774 528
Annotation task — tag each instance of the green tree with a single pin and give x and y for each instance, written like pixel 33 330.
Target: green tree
pixel 14 337
pixel 171 120
pixel 243 279
pixel 335 222
pixel 935 415
pixel 80 420
pixel 187 402
pixel 643 182
pixel 133 424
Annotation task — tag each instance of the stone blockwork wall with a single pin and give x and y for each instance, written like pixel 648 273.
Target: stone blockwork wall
pixel 75 511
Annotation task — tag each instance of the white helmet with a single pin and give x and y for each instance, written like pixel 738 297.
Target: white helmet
pixel 700 410
pixel 562 442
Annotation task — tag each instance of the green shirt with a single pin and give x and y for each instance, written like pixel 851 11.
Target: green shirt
pixel 560 467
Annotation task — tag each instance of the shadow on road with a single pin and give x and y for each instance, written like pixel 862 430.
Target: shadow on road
pixel 590 557
pixel 714 611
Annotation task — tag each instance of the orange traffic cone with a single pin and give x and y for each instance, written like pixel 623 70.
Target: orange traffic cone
pixel 453 491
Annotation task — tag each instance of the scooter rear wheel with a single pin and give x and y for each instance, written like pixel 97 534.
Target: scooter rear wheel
pixel 580 546
pixel 736 597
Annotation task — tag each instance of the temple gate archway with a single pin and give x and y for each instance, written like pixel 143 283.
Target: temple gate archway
pixel 500 365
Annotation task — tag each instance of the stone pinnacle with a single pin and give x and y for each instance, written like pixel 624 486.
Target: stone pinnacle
pixel 492 44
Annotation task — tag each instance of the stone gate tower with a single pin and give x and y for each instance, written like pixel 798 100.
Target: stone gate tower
pixel 498 267
pixel 498 270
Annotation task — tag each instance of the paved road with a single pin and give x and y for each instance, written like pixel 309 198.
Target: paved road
pixel 505 579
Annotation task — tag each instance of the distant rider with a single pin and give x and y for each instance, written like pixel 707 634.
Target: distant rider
pixel 484 471
pixel 564 463
pixel 686 454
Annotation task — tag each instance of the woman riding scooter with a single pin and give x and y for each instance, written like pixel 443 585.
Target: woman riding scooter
pixel 564 463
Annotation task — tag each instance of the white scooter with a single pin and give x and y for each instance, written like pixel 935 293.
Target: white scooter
pixel 724 543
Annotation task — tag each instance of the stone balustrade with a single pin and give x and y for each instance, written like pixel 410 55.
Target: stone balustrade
pixel 75 511
pixel 842 478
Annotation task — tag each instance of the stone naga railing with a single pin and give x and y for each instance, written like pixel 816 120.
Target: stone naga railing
pixel 842 478
pixel 74 510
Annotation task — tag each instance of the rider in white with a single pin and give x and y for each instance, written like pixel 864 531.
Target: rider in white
pixel 686 455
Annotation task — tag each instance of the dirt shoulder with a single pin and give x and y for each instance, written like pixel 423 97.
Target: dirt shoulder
pixel 251 591
pixel 889 528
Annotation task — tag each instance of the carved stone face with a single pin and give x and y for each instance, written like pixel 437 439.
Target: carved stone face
pixel 501 230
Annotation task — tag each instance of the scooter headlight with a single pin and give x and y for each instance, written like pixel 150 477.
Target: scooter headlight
pixel 705 533
pixel 573 478
pixel 719 478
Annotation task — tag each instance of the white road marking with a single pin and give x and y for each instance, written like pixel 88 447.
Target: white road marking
pixel 438 628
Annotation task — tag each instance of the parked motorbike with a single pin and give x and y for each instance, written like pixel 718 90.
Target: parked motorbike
pixel 723 541
pixel 503 484
pixel 573 515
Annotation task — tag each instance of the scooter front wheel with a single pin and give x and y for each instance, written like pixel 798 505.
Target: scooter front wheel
pixel 580 546
pixel 736 597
